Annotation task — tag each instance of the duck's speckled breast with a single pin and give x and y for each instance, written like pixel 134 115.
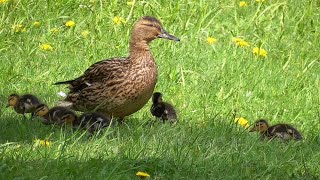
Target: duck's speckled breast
pixel 140 84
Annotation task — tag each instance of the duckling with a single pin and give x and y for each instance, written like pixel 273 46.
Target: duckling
pixel 92 121
pixel 282 131
pixel 119 87
pixel 23 104
pixel 162 110
pixel 56 115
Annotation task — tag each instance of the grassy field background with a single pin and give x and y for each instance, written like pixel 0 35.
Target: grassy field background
pixel 209 84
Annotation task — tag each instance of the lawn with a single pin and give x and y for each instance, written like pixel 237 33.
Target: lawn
pixel 209 76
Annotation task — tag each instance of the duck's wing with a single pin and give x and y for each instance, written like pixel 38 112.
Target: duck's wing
pixel 97 72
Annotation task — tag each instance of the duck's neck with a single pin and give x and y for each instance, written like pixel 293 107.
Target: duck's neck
pixel 138 49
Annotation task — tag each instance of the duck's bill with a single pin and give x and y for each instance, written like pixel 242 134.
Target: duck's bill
pixel 166 35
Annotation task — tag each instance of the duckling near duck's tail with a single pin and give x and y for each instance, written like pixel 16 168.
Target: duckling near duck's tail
pixel 92 121
pixel 56 115
pixel 119 87
pixel 162 110
pixel 281 131
pixel 23 104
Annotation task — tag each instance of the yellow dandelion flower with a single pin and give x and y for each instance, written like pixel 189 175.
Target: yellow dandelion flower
pixel 85 33
pixel 243 4
pixel 211 40
pixel 3 1
pixel 19 28
pixel 242 122
pixel 142 174
pixel 46 47
pixel 70 24
pixel 130 3
pixel 260 1
pixel 39 142
pixel 240 42
pixel 259 52
pixel 118 20
pixel 36 24
pixel 54 30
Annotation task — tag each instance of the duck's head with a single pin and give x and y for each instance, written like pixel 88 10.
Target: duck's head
pixel 13 100
pixel 69 118
pixel 149 28
pixel 260 126
pixel 157 98
pixel 41 110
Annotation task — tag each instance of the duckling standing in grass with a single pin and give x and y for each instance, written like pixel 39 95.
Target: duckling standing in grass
pixel 282 131
pixel 162 110
pixel 92 122
pixel 23 104
pixel 56 115
pixel 119 87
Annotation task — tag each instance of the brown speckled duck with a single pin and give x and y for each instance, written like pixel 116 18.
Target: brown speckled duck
pixel 23 104
pixel 119 87
pixel 281 131
pixel 56 115
pixel 162 110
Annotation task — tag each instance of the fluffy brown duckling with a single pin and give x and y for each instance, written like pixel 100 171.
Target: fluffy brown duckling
pixel 56 115
pixel 119 87
pixel 23 104
pixel 281 131
pixel 92 122
pixel 162 110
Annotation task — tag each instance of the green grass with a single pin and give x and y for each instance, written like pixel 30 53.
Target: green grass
pixel 206 83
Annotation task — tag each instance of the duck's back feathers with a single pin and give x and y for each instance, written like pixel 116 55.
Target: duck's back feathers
pixel 97 72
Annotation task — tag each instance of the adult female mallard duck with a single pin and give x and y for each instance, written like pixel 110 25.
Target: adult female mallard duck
pixel 282 131
pixel 56 115
pixel 23 104
pixel 119 87
pixel 162 110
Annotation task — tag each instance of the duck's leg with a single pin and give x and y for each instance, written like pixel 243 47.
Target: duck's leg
pixel 32 116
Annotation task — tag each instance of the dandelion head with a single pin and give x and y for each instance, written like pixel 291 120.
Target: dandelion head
pixel 44 143
pixel 85 33
pixel 36 24
pixel 242 122
pixel 142 175
pixel 46 47
pixel 118 20
pixel 243 4
pixel 19 28
pixel 259 52
pixel 211 40
pixel 70 24
pixel 54 30
pixel 130 3
pixel 4 1
pixel 240 42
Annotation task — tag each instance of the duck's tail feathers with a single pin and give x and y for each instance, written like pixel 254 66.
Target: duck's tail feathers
pixel 63 82
pixel 67 104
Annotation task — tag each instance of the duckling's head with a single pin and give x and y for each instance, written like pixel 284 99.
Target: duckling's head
pixel 157 98
pixel 149 28
pixel 69 118
pixel 41 110
pixel 260 126
pixel 13 100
